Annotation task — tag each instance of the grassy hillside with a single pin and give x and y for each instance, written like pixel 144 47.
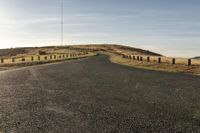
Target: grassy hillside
pixel 33 51
pixel 198 57
pixel 118 49
pixel 115 49
pixel 115 52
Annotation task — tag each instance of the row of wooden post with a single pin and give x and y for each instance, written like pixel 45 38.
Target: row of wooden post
pixel 140 58
pixel 46 57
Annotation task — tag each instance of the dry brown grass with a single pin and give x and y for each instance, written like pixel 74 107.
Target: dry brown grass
pixel 180 67
pixel 18 52
pixel 115 52
pixel 117 49
pixel 8 64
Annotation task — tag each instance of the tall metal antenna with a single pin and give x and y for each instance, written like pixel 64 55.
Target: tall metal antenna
pixel 62 22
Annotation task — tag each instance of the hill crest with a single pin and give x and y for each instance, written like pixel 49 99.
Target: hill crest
pixel 119 49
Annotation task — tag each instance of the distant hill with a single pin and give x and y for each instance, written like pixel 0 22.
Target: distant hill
pixel 119 49
pixel 198 57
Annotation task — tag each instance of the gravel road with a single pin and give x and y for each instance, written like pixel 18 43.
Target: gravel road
pixel 94 95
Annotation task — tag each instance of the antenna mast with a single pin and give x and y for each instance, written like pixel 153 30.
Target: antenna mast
pixel 62 23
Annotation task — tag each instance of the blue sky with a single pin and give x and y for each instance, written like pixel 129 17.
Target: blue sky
pixel 169 27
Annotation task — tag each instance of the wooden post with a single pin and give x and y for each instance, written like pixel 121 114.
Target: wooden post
pixel 173 61
pixel 189 62
pixel 13 59
pixel 159 59
pixel 2 60
pixel 138 58
pixel 141 58
pixel 148 59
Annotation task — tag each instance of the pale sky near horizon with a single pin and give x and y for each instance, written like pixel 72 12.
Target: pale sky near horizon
pixel 169 27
